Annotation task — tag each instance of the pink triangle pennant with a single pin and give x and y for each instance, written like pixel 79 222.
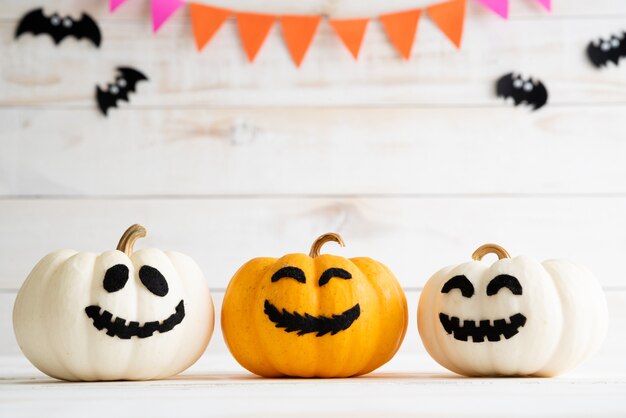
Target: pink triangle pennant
pixel 114 4
pixel 500 7
pixel 547 4
pixel 162 10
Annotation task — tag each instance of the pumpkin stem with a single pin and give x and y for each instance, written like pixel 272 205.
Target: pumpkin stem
pixel 132 234
pixel 323 239
pixel 483 250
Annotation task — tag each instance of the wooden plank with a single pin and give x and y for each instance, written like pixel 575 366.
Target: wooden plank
pixel 286 151
pixel 139 10
pixel 399 395
pixel 408 385
pixel 437 74
pixel 8 345
pixel 415 237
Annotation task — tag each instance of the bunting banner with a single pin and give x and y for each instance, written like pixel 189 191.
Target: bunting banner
pixel 449 17
pixel 298 31
pixel 401 29
pixel 351 32
pixel 253 29
pixel 114 4
pixel 500 7
pixel 162 10
pixel 205 22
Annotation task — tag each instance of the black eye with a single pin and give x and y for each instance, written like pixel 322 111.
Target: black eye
pixel 115 278
pixel 334 272
pixel 290 272
pixel 504 280
pixel 153 280
pixel 461 283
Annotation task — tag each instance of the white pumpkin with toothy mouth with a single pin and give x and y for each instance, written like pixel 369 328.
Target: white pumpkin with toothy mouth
pixel 515 317
pixel 117 315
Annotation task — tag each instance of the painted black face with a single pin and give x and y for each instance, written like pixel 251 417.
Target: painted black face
pixel 306 323
pixel 484 328
pixel 114 280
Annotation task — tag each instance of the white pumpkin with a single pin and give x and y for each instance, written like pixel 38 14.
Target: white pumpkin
pixel 515 317
pixel 117 315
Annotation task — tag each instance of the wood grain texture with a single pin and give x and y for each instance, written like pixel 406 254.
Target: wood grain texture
pixel 347 151
pixel 437 74
pixel 414 163
pixel 415 237
pixel 409 389
pixel 411 384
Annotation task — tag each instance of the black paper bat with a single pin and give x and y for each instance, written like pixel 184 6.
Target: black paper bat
pixel 602 51
pixel 59 27
pixel 529 91
pixel 124 83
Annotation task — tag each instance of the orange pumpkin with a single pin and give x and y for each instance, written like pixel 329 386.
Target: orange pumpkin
pixel 315 315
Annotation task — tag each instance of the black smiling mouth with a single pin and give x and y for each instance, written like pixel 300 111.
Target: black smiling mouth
pixel 306 323
pixel 119 329
pixel 484 330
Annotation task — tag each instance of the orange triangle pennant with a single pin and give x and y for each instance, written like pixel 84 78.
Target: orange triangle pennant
pixel 351 32
pixel 449 17
pixel 298 32
pixel 253 29
pixel 401 28
pixel 206 21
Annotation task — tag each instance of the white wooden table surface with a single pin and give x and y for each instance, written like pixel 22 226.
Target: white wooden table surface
pixel 407 386
pixel 411 384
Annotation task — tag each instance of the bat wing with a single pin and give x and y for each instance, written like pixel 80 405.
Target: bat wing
pixel 132 77
pixel 123 94
pixel 622 46
pixel 504 87
pixel 105 100
pixel 596 55
pixel 87 28
pixel 34 22
pixel 539 96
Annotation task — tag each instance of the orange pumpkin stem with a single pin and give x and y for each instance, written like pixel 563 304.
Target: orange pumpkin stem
pixel 130 236
pixel 323 239
pixel 483 250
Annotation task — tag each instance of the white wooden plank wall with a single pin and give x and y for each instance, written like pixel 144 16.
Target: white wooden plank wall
pixel 415 163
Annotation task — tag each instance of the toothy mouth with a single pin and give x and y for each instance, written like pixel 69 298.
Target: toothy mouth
pixel 485 329
pixel 118 328
pixel 306 323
